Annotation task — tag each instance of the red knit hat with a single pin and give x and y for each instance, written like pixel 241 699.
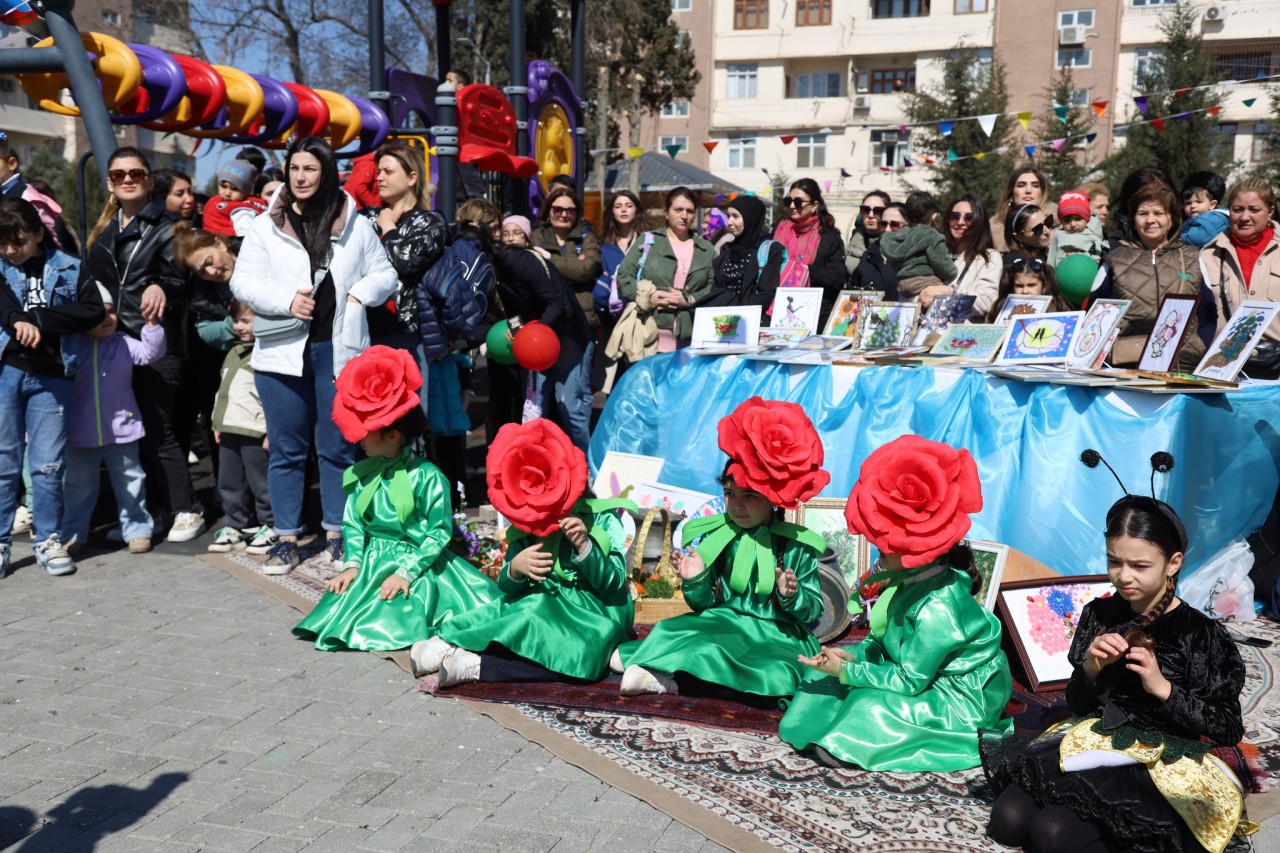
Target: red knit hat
pixel 1074 203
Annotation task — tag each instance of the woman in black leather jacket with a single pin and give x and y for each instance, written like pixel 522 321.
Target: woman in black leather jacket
pixel 131 254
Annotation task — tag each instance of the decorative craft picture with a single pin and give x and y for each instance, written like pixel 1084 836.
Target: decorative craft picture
pixel 825 516
pixel 796 308
pixel 847 311
pixel 977 344
pixel 1098 332
pixel 945 311
pixel 990 558
pixel 888 324
pixel 1019 305
pixel 737 325
pixel 1041 617
pixel 672 498
pixel 1237 340
pixel 770 337
pixel 622 471
pixel 1041 338
pixel 1173 321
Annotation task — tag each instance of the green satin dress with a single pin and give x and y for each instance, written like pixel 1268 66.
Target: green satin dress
pixel 744 638
pixel 397 517
pixel 570 622
pixel 918 689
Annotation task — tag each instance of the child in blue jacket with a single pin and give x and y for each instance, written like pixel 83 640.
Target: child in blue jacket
pixel 1203 219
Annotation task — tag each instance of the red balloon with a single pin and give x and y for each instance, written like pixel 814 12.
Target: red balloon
pixel 536 346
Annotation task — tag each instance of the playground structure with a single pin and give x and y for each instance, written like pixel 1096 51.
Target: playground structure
pixel 114 82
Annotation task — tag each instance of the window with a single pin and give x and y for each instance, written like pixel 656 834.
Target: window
pixel 888 147
pixel 966 7
pixel 1077 18
pixel 665 142
pixel 681 5
pixel 1076 57
pixel 1243 64
pixel 899 8
pixel 818 85
pixel 1224 141
pixel 676 109
pixel 750 14
pixel 1264 139
pixel 684 37
pixel 1144 65
pixel 111 16
pixel 1154 2
pixel 888 80
pixel 742 152
pixel 1078 98
pixel 811 151
pixel 742 80
pixel 813 13
pixel 980 71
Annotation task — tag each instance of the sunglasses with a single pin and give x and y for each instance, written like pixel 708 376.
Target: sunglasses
pixel 868 210
pixel 798 202
pixel 894 226
pixel 1038 231
pixel 1019 263
pixel 956 216
pixel 557 210
pixel 118 176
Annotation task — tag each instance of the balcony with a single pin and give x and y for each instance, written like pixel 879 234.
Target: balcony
pixel 774 115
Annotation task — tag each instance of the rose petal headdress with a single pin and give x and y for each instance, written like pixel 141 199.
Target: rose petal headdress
pixel 773 449
pixel 535 475
pixel 374 390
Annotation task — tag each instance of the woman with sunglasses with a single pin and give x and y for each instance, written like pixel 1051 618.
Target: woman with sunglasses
pixel 1027 275
pixel 866 264
pixel 1151 262
pixel 867 228
pixel 810 235
pixel 1029 230
pixel 574 250
pixel 968 234
pixel 1026 186
pixel 131 254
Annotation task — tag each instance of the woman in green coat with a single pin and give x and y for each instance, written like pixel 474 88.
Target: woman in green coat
pixel 678 263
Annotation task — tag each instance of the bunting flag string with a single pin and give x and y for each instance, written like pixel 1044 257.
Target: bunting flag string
pixel 1023 117
pixel 988 123
pixel 710 145
pixel 1061 113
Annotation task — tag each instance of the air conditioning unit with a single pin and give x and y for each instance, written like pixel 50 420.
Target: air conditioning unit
pixel 862 102
pixel 1215 13
pixel 1072 35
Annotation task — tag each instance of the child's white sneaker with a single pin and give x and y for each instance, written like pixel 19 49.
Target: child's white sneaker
pixel 21 521
pixel 637 680
pixel 227 539
pixel 427 655
pixel 459 666
pixel 264 539
pixel 53 557
pixel 186 526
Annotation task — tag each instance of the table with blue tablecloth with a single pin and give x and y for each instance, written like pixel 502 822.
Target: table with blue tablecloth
pixel 1026 438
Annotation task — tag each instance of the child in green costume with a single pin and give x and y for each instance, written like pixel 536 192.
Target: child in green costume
pixel 400 582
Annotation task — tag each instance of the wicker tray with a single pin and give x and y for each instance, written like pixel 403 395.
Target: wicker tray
pixel 651 610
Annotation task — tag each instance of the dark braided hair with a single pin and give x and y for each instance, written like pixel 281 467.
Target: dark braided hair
pixel 1141 518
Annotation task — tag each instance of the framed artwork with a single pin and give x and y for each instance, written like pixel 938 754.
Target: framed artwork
pixel 735 325
pixel 784 338
pixel 1040 338
pixel 1098 332
pixel 1018 305
pixel 825 516
pixel 1173 321
pixel 976 344
pixel 796 308
pixel 1041 616
pixel 990 558
pixel 1237 340
pixel 672 498
pixel 888 324
pixel 847 311
pixel 945 311
pixel 620 472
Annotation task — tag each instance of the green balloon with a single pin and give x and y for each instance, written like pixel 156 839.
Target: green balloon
pixel 1075 277
pixel 499 344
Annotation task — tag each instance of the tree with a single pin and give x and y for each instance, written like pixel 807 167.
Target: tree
pixel 1269 167
pixel 1063 168
pixel 1184 145
pixel 969 87
pixel 48 166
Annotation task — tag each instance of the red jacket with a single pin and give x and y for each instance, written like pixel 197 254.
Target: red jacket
pixel 217 213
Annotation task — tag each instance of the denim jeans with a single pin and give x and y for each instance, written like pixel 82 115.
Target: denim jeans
pixel 571 395
pixel 124 468
pixel 32 417
pixel 298 410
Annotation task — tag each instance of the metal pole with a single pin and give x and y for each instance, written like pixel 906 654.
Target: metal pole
pixel 377 60
pixel 83 189
pixel 31 60
pixel 444 47
pixel 518 94
pixel 446 136
pixel 84 85
pixel 578 74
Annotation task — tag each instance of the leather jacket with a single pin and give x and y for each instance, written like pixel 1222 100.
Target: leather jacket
pixel 127 262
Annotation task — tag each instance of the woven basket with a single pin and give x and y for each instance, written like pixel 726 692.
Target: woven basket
pixel 651 610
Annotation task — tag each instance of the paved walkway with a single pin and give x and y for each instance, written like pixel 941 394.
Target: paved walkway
pixel 157 703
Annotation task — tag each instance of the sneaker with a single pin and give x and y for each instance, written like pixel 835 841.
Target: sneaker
pixel 225 540
pixel 53 557
pixel 334 549
pixel 21 521
pixel 637 680
pixel 459 666
pixel 186 526
pixel 4 560
pixel 139 545
pixel 282 559
pixel 75 546
pixel 615 662
pixel 264 539
pixel 427 655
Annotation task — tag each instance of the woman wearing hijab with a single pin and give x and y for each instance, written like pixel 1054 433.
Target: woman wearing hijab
pixel 738 276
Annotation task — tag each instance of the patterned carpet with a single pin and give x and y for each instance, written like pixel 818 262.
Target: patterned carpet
pixel 723 756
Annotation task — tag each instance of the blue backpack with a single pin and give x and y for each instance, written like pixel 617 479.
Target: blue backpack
pixel 461 283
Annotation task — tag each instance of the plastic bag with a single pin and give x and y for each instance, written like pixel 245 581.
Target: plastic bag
pixel 1221 588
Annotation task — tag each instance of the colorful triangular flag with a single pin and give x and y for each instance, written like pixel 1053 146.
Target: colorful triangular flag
pixel 1183 116
pixel 673 150
pixel 1158 124
pixel 1059 144
pixel 1089 137
pixel 951 154
pixel 1248 102
pixel 988 123
pixel 928 161
pixel 905 162
pixel 1024 116
pixel 1141 103
pixel 826 185
pixel 979 155
pixel 635 153
pixel 1061 113
pixel 945 127
pixel 1182 91
pixel 844 174
pixel 788 139
pixel 1100 108
pixel 711 145
pixel 1030 149
pixel 1214 110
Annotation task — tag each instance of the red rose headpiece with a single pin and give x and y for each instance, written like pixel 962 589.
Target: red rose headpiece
pixel 774 450
pixel 535 475
pixel 374 390
pixel 913 498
